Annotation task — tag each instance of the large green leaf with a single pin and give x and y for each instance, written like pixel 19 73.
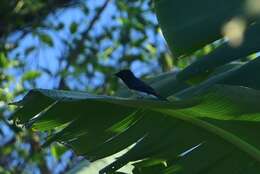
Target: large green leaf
pixel 217 123
pixel 189 25
pixel 223 54
pixel 239 75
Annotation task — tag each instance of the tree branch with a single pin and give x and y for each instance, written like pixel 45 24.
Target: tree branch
pixel 74 51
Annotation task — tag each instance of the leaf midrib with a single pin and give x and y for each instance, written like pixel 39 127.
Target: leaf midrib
pixel 222 133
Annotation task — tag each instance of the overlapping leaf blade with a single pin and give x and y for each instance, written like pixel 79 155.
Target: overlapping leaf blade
pixel 223 55
pixel 103 136
pixel 190 25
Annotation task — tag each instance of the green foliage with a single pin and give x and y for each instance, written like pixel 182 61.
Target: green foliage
pixel 73 27
pixel 215 118
pixel 45 38
pixel 3 61
pixel 30 75
pixel 209 124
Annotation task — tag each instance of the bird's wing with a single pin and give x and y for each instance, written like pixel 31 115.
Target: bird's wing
pixel 142 86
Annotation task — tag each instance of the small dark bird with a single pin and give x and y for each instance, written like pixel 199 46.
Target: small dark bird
pixel 136 84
